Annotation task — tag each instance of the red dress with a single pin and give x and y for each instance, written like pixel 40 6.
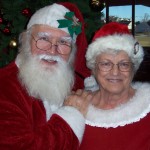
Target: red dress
pixel 23 123
pixel 126 127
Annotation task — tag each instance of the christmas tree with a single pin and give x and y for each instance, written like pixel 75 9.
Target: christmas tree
pixel 14 15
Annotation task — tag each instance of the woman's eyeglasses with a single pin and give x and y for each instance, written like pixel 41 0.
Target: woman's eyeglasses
pixel 108 66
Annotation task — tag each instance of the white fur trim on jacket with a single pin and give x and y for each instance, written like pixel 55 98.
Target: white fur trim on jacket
pixel 74 118
pixel 132 111
pixel 71 115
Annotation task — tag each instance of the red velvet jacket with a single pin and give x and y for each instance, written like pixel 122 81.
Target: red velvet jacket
pixel 135 136
pixel 23 124
pixel 127 127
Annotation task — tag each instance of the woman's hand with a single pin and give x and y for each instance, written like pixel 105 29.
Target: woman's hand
pixel 80 100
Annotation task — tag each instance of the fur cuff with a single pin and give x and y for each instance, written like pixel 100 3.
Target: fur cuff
pixel 74 118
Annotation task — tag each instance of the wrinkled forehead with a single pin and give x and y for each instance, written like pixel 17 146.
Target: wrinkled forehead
pixel 112 54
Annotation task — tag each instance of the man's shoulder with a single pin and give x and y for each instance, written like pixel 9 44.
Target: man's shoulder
pixel 8 70
pixel 9 82
pixel 8 74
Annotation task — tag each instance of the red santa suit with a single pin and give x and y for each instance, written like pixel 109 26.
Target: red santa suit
pixel 27 123
pixel 127 127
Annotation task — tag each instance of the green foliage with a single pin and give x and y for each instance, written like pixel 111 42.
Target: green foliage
pixel 11 12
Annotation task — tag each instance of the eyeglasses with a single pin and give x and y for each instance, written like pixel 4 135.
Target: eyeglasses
pixel 63 45
pixel 122 66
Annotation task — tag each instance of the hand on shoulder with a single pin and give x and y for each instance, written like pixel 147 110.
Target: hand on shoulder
pixel 79 99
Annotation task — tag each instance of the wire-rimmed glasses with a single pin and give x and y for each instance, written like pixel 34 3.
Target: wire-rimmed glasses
pixel 108 66
pixel 63 46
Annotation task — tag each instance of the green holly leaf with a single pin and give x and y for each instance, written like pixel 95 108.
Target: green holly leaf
pixel 69 14
pixel 78 29
pixel 71 31
pixel 64 23
pixel 71 22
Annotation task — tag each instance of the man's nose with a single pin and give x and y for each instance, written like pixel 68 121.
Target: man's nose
pixel 53 49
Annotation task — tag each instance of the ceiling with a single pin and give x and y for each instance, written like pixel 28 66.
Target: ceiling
pixel 128 2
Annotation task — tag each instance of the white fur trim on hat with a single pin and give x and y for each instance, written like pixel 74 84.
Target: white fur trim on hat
pixel 116 42
pixel 90 84
pixel 49 15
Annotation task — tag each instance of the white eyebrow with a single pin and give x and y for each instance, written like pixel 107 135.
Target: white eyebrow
pixel 43 34
pixel 67 38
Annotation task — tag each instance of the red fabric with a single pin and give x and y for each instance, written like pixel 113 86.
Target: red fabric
pixel 110 29
pixel 80 63
pixel 135 136
pixel 23 124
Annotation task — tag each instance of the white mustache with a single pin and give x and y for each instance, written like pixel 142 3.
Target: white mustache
pixel 50 58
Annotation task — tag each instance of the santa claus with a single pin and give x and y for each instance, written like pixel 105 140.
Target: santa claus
pixel 33 88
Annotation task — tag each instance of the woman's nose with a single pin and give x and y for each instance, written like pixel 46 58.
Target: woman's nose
pixel 115 70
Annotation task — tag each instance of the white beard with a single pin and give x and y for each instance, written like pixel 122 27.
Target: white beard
pixel 52 84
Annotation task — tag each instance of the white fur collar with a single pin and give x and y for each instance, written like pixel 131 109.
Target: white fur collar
pixel 134 110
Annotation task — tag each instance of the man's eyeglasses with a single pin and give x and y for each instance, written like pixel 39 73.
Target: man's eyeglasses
pixel 108 66
pixel 63 46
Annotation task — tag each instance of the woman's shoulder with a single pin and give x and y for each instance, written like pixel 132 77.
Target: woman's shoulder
pixel 141 86
pixel 138 84
pixel 134 110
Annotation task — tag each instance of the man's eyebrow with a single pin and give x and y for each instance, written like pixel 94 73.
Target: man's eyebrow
pixel 68 38
pixel 43 34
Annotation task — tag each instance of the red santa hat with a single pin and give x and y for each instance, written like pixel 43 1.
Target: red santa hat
pixel 50 15
pixel 114 36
